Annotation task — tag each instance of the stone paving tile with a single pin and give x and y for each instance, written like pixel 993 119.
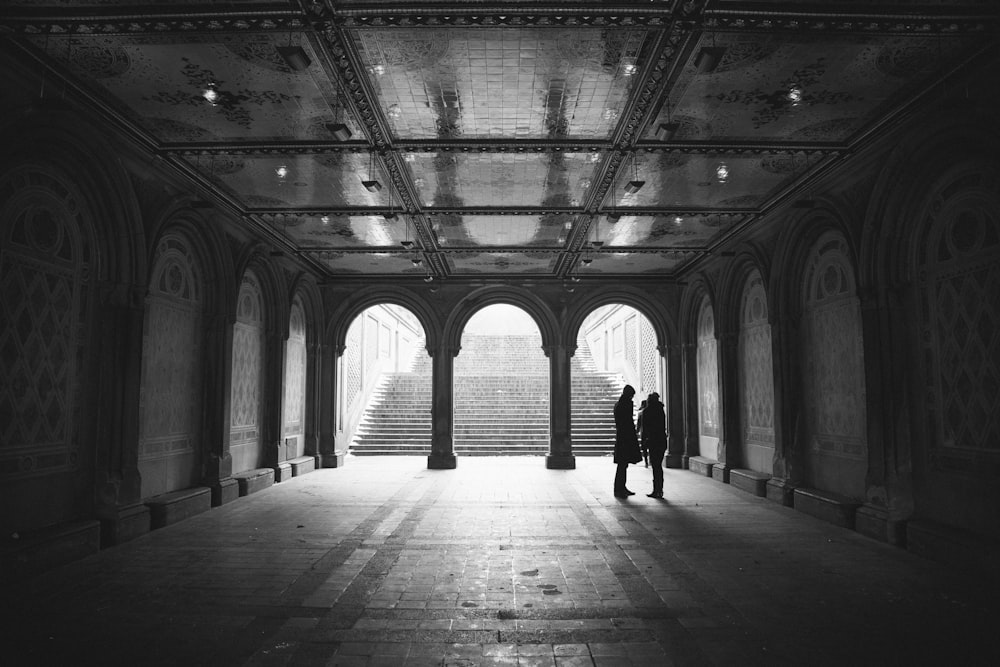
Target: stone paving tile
pixel 500 562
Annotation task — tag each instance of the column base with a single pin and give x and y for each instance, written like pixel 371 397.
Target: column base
pixel 560 462
pixel 441 462
pixel 331 460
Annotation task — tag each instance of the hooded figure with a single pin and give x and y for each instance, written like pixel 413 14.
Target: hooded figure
pixel 654 440
pixel 626 441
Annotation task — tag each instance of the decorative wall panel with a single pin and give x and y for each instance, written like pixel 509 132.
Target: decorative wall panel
pixel 833 370
pixel 959 271
pixel 44 314
pixel 170 398
pixel 247 376
pixel 352 362
pixel 756 377
pixel 295 372
pixel 632 342
pixel 708 374
pixel 650 357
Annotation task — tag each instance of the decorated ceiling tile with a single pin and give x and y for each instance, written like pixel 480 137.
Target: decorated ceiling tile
pixel 463 231
pixel 372 263
pixel 512 83
pixel 313 181
pixel 663 231
pixel 794 87
pixel 459 179
pixel 163 4
pixel 207 87
pixel 342 231
pixel 630 262
pixel 503 263
pixel 714 181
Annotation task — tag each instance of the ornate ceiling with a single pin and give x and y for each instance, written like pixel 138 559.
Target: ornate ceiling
pixel 503 136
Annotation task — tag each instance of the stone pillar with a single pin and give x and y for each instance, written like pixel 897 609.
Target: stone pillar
pixel 689 371
pixel 442 408
pixel 332 368
pixel 218 399
pixel 729 405
pixel 314 398
pixel 787 409
pixel 560 412
pixel 273 410
pixel 675 405
pixel 118 488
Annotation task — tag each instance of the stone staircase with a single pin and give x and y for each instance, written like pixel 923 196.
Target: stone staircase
pixel 501 403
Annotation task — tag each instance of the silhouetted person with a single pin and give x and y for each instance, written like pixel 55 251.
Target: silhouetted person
pixel 626 442
pixel 654 440
pixel 638 432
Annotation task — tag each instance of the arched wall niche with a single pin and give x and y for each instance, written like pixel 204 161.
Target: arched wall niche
pixel 664 324
pixel 63 142
pixel 749 258
pixel 218 274
pixel 171 398
pixel 472 303
pixel 304 288
pixel 340 319
pixel 698 288
pixel 272 287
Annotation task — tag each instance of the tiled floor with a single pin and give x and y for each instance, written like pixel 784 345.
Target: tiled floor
pixel 500 562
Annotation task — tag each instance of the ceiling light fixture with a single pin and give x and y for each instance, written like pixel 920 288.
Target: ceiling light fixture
pixel 709 57
pixel 371 185
pixel 678 219
pixel 295 57
pixel 282 172
pixel 211 94
pixel 634 185
pixel 794 95
pixel 417 261
pixel 722 172
pixel 629 67
pixel 339 131
pixel 666 131
pixel 325 220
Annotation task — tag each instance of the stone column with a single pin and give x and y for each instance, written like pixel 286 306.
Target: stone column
pixel 442 408
pixel 273 410
pixel 218 400
pixel 689 372
pixel 729 406
pixel 560 412
pixel 332 368
pixel 787 409
pixel 314 398
pixel 675 405
pixel 117 482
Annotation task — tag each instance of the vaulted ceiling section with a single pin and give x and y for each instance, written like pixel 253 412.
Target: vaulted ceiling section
pixel 529 139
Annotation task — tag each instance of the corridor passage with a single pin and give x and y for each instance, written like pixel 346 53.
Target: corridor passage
pixel 500 562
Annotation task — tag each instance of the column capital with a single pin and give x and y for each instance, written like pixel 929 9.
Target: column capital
pixel 444 350
pixel 549 350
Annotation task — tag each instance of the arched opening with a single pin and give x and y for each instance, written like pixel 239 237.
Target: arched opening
pixel 384 384
pixel 245 443
pixel 296 367
pixel 501 386
pixel 756 378
pixel 616 345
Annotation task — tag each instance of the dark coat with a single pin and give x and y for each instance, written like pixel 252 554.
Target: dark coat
pixel 626 441
pixel 654 427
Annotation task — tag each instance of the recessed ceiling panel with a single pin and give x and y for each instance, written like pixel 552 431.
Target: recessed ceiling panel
pixel 714 181
pixel 342 231
pixel 664 231
pixel 502 263
pixel 631 262
pixel 800 87
pixel 371 263
pixel 464 231
pixel 313 181
pixel 456 180
pixel 219 87
pixel 512 83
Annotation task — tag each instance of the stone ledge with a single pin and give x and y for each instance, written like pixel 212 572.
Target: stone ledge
pixel 874 522
pixel 175 506
pixel 126 524
pixel 953 546
pixel 701 465
pixel 720 473
pixel 827 506
pixel 302 465
pixel 781 491
pixel 224 491
pixel 282 472
pixel 252 481
pixel 36 551
pixel 750 481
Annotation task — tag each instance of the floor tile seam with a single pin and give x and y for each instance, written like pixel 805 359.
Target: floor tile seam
pixel 307 583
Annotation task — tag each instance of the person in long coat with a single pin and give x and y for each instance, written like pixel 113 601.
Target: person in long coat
pixel 654 440
pixel 626 441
